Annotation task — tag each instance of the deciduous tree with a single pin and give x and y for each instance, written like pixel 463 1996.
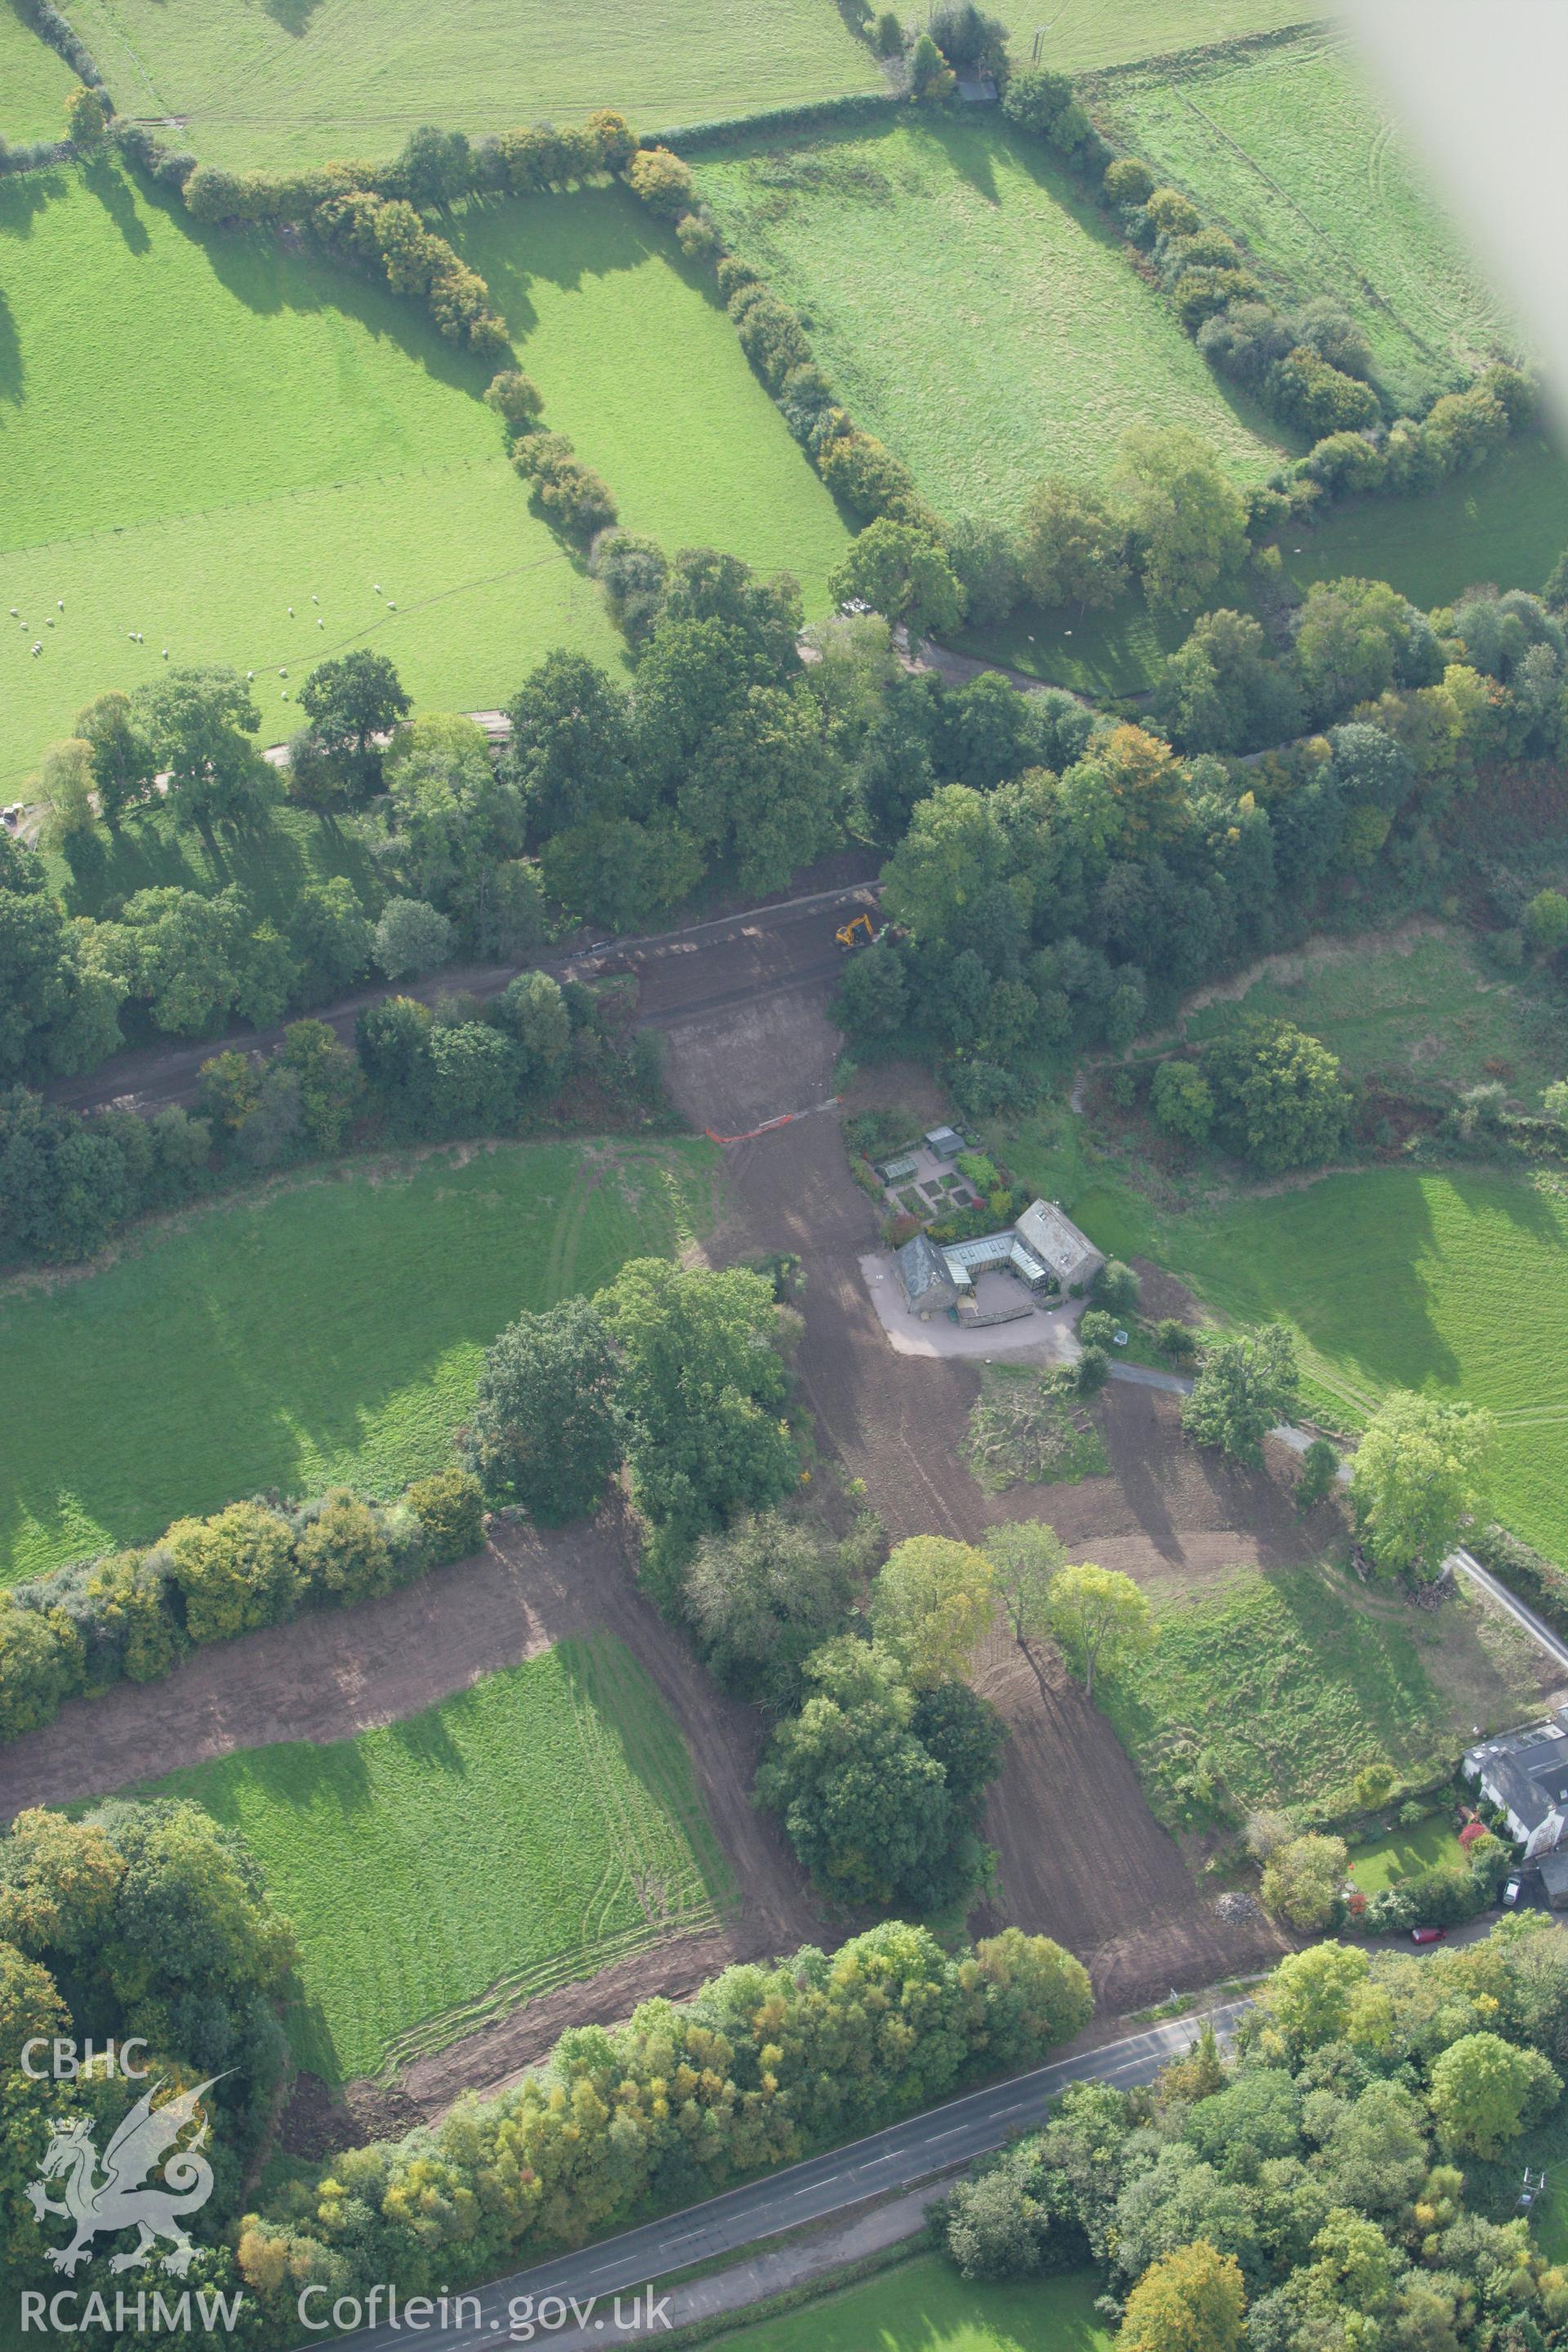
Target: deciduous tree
pixel 1099 1619
pixel 1420 1468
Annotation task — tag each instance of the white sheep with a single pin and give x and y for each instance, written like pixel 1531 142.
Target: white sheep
pixel 390 606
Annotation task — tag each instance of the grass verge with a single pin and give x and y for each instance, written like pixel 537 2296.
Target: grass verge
pixel 925 2306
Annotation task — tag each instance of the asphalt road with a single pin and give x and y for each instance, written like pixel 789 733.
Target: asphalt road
pixel 150 1077
pixel 891 2159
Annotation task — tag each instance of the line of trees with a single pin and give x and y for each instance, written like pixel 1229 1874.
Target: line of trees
pixel 1044 904
pixel 135 1615
pixel 536 1053
pixel 762 2065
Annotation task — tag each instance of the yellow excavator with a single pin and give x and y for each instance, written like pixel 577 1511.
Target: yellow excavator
pixel 858 932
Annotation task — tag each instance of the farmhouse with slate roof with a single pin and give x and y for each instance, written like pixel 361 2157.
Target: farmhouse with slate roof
pixel 1045 1251
pixel 1525 1775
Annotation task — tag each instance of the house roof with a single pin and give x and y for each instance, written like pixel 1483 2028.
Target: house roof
pixel 1554 1868
pixel 924 1272
pixel 1527 1770
pixel 1056 1242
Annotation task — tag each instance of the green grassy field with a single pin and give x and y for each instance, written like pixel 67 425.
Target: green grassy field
pixel 1289 148
pixel 925 2306
pixel 1409 1009
pixel 1283 1685
pixel 971 309
pixel 287 431
pixel 522 1833
pixel 300 81
pixel 1432 1845
pixel 35 82
pixel 638 362
pixel 1394 1277
pixel 327 1329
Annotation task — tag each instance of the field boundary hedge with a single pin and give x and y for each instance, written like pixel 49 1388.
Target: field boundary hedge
pixel 863 106
pixel 135 1615
pixel 764 2066
pixel 61 36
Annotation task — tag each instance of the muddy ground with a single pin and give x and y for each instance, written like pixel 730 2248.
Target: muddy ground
pixel 1080 1856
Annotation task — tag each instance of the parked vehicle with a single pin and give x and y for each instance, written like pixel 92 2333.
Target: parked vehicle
pixel 1428 1935
pixel 1510 1892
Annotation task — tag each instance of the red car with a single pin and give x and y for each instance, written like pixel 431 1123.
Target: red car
pixel 1427 1935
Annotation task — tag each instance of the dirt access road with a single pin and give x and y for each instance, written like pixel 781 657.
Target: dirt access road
pixel 1081 1855
pixel 149 1078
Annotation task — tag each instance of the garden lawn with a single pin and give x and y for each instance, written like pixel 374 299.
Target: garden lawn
pixel 522 1834
pixel 1277 1689
pixel 925 2306
pixel 1411 1007
pixel 638 362
pixel 35 82
pixel 1433 1844
pixel 288 432
pixel 301 81
pixel 971 308
pixel 1288 147
pixel 325 1329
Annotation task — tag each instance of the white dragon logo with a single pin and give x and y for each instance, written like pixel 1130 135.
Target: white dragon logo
pixel 147 2137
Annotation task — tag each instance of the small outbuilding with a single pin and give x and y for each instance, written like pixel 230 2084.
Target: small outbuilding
pixel 927 1278
pixel 942 1142
pixel 1554 1880
pixel 1056 1242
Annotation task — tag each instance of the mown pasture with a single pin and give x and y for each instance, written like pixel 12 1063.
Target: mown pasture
pixel 972 309
pixel 34 83
pixel 1412 1008
pixel 288 432
pixel 521 1834
pixel 294 438
pixel 1289 147
pixel 638 362
pixel 1451 1282
pixel 1275 1689
pixel 327 1328
pixel 925 2306
pixel 302 81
